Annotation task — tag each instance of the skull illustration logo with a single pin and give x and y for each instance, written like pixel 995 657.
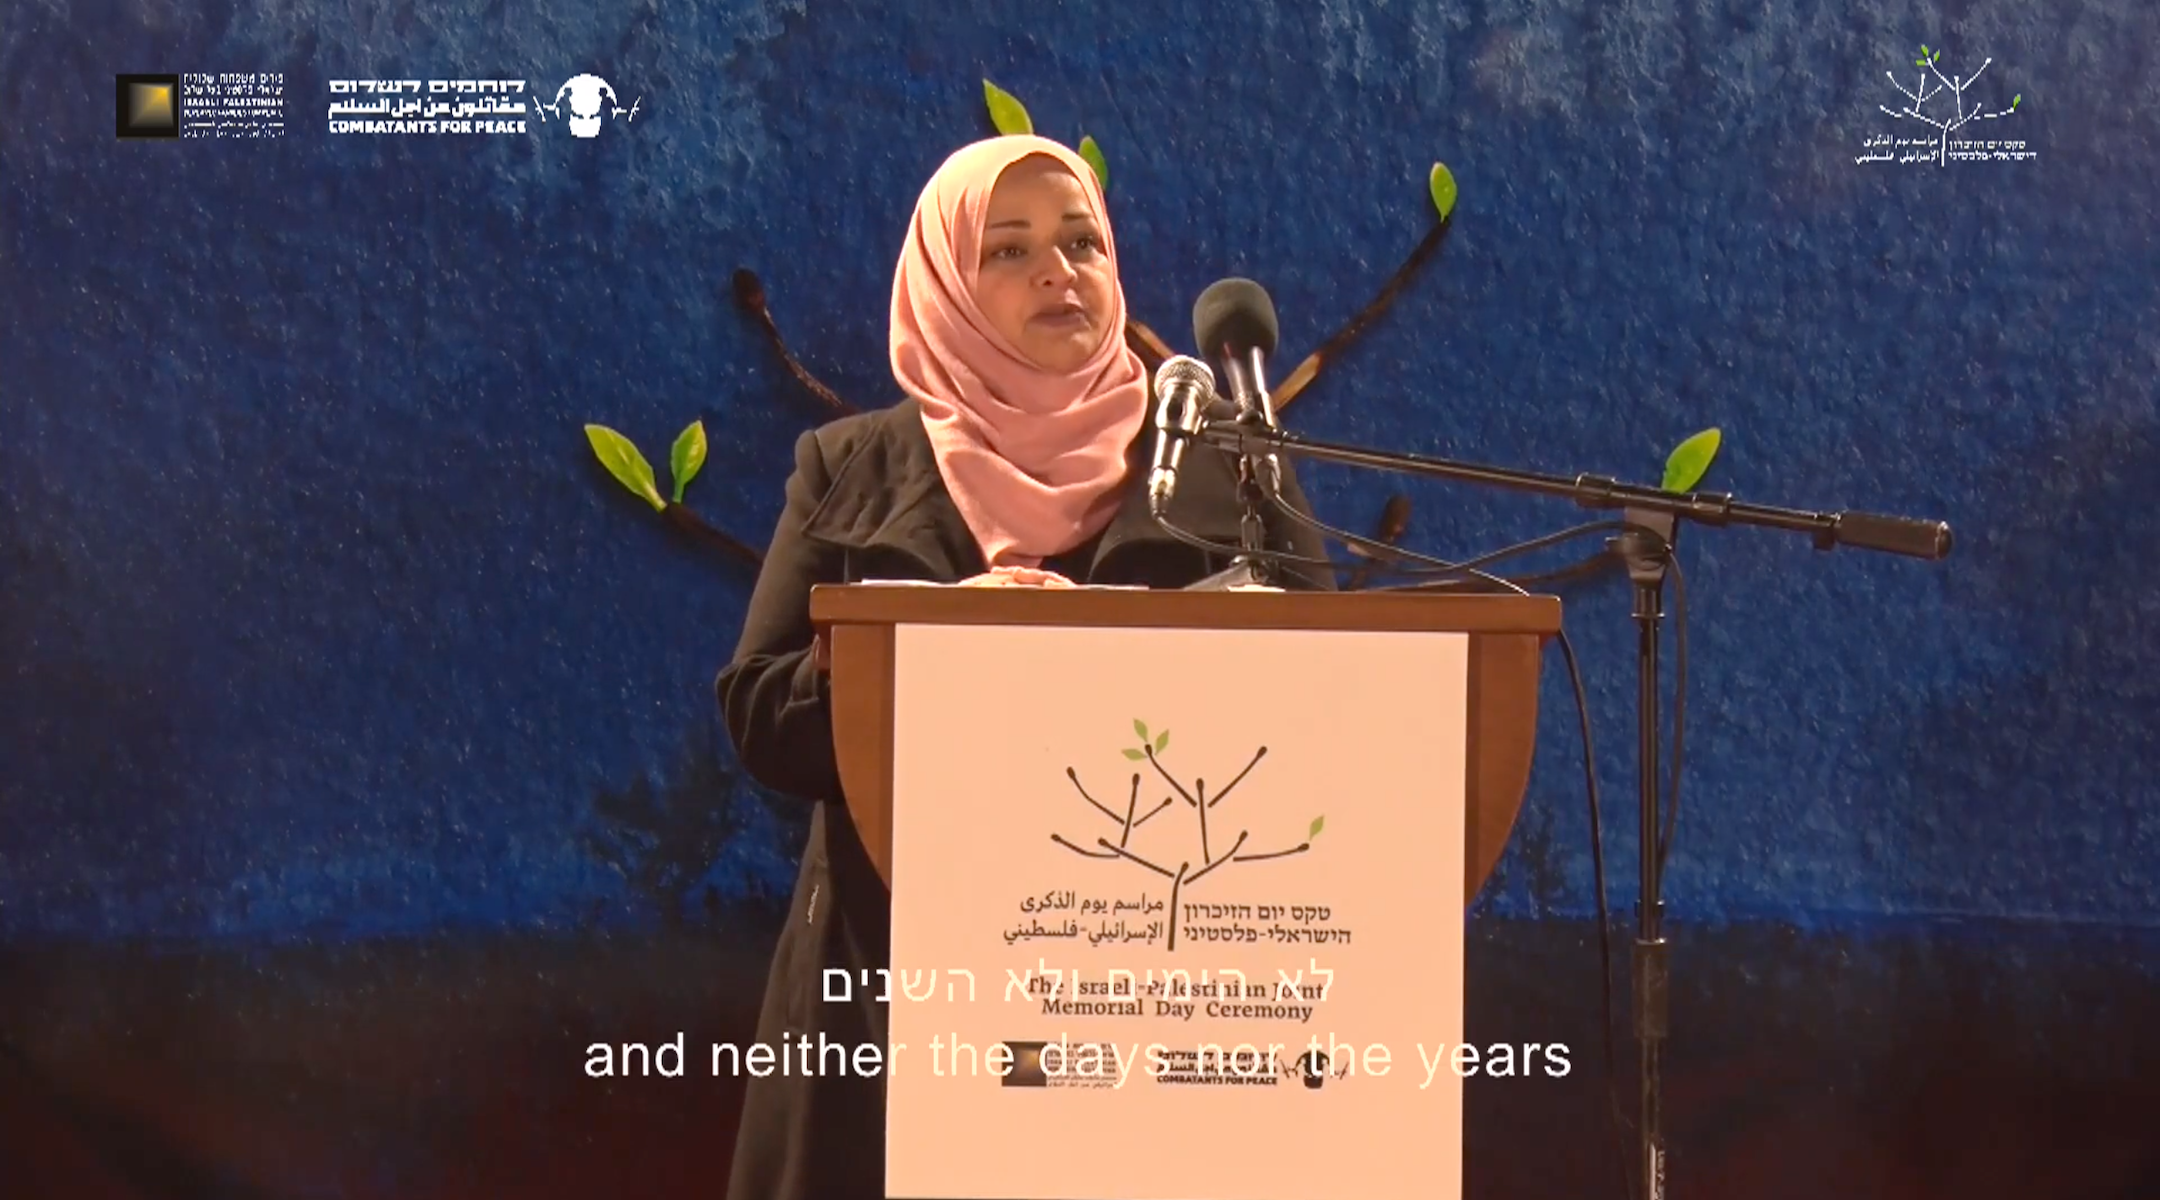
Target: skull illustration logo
pixel 586 93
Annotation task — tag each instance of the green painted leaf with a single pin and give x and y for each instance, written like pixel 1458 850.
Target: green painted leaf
pixel 687 457
pixel 1690 460
pixel 1093 154
pixel 2014 99
pixel 1442 184
pixel 1140 727
pixel 1006 112
pixel 1134 755
pixel 623 461
pixel 1162 741
pixel 1317 823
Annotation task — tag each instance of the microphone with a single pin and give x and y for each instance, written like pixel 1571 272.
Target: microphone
pixel 1183 389
pixel 1234 320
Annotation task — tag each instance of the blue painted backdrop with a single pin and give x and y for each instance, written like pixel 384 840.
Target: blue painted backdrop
pixel 320 622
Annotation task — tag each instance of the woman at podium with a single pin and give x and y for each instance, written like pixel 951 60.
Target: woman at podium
pixel 1018 457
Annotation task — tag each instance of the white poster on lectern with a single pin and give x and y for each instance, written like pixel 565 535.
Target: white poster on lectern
pixel 1176 914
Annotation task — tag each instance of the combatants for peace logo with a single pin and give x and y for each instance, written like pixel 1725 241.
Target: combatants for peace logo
pixel 584 95
pixel 584 104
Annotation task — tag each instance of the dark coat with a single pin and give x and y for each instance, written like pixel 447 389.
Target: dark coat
pixel 866 501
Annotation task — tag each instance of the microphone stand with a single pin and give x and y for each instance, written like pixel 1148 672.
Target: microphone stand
pixel 1252 566
pixel 1645 546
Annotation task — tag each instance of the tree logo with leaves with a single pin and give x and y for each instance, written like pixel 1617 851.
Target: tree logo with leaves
pixel 1189 868
pixel 1925 103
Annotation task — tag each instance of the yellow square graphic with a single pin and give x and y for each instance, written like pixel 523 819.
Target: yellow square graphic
pixel 150 104
pixel 146 106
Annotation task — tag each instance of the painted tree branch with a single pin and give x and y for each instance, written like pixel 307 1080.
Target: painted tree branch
pixel 686 520
pixel 750 297
pixel 621 458
pixel 1153 351
pixel 1302 377
pixel 1394 522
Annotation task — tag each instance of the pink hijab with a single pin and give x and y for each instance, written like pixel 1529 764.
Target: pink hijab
pixel 1033 460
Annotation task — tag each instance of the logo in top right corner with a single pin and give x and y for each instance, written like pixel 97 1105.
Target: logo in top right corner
pixel 1942 118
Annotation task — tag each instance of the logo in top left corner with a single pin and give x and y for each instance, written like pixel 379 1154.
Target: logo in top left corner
pixel 147 106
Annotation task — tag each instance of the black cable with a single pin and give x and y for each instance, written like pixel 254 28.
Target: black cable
pixel 1584 569
pixel 1581 571
pixel 1195 540
pixel 1604 918
pixel 1377 548
pixel 1619 1124
pixel 1540 542
pixel 1582 709
pixel 1374 547
pixel 1589 568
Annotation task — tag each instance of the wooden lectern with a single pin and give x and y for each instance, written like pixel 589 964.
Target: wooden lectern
pixel 856 624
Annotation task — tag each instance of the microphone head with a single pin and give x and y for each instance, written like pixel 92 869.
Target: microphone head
pixel 1183 371
pixel 1232 317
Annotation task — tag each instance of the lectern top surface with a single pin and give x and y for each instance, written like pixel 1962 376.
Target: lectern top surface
pixel 909 603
